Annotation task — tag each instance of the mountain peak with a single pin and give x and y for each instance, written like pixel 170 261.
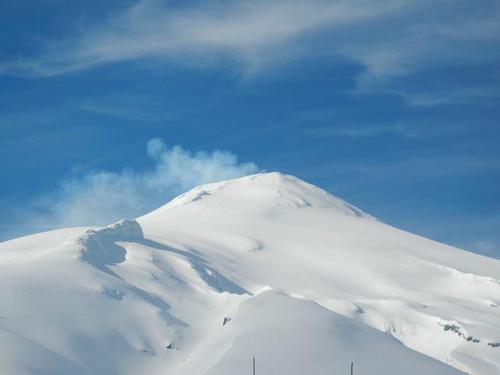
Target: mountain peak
pixel 262 192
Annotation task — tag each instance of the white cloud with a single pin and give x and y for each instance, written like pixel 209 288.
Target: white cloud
pixel 101 197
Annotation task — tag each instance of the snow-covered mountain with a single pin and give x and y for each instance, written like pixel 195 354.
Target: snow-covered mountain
pixel 266 266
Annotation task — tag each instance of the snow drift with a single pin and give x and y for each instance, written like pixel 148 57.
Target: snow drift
pixel 266 266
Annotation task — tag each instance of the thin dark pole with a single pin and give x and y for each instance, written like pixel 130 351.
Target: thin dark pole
pixel 253 365
pixel 352 368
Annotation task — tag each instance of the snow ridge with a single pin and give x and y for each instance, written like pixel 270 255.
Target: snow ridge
pixel 100 246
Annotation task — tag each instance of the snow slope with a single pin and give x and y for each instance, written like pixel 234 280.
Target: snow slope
pixel 266 266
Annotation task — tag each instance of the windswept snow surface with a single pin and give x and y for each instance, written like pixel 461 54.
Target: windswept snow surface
pixel 266 266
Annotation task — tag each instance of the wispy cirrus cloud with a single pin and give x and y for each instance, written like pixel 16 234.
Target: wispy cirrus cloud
pixel 245 31
pixel 388 38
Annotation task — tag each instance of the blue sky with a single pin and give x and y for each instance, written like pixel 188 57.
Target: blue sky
pixel 110 108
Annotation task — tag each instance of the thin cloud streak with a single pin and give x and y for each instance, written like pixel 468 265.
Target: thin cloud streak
pixel 445 97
